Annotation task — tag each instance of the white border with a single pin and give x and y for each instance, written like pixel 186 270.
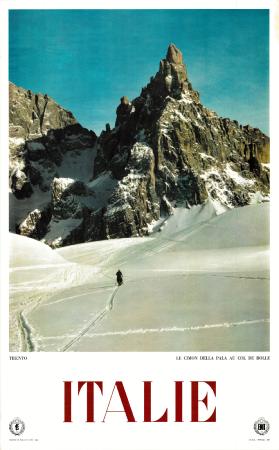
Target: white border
pixel 4 182
pixel 50 358
pixel 137 4
pixel 274 216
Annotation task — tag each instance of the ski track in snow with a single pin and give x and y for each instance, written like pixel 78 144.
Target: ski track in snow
pixel 173 329
pixel 26 330
pixel 93 323
pixel 73 297
pixel 198 273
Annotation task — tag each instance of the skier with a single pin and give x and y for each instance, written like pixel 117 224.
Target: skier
pixel 119 277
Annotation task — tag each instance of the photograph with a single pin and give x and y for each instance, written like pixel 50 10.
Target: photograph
pixel 139 180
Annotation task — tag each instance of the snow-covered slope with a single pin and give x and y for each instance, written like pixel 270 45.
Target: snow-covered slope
pixel 36 271
pixel 199 282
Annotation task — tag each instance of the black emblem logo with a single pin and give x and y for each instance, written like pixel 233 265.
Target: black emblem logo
pixel 261 426
pixel 17 426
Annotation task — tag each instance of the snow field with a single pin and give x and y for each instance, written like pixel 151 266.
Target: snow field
pixel 200 284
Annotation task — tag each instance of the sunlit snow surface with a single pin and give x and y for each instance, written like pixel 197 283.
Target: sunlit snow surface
pixel 199 284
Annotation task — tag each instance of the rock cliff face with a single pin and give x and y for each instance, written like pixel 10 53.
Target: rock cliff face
pixel 47 146
pixel 166 150
pixel 31 116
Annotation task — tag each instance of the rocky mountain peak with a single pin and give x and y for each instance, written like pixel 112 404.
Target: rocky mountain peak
pixel 171 79
pixel 46 144
pixel 166 150
pixel 123 110
pixel 124 100
pixel 174 55
pixel 34 115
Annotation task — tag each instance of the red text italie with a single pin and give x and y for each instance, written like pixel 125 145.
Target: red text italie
pixel 202 397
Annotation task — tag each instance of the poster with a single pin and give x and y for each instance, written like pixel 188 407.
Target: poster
pixel 180 351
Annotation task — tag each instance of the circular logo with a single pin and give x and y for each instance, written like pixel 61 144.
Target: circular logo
pixel 261 426
pixel 17 426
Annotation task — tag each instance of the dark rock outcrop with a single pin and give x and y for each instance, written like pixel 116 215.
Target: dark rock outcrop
pixel 46 144
pixel 40 131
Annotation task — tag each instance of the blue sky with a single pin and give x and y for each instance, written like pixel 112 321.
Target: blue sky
pixel 87 59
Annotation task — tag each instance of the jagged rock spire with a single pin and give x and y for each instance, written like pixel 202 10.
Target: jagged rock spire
pixel 123 110
pixel 174 55
pixel 173 71
pixel 171 78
